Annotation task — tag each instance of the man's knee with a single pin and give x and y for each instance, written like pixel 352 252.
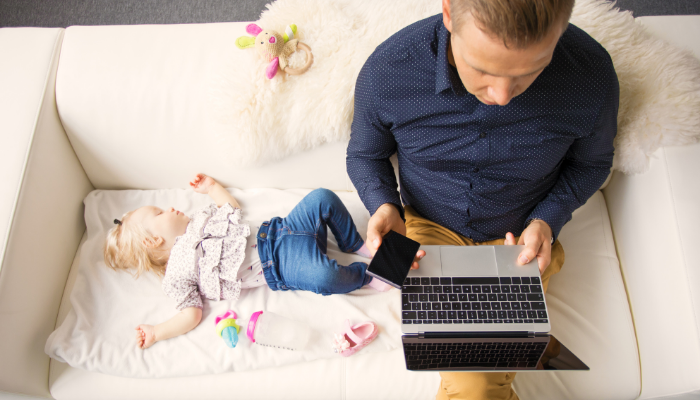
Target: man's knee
pixel 477 385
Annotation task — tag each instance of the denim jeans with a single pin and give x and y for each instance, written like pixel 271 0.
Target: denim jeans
pixel 293 249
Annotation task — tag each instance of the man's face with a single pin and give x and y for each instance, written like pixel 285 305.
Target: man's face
pixel 488 69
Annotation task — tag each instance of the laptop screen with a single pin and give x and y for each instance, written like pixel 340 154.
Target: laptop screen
pixel 544 353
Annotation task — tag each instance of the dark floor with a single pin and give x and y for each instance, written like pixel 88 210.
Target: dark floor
pixel 55 13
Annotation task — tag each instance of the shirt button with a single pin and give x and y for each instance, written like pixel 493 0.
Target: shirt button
pixel 469 224
pixel 475 170
pixel 263 235
pixel 482 135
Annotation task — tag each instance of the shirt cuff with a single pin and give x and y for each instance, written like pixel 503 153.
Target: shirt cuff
pixel 377 200
pixel 553 214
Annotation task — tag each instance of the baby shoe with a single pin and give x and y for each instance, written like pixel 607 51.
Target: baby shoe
pixel 354 338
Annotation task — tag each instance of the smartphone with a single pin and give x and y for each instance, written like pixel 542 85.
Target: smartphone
pixel 393 260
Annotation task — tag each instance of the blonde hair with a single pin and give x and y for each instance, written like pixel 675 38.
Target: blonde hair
pixel 516 22
pixel 125 249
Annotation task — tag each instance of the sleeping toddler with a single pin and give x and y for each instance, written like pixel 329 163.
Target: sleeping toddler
pixel 209 253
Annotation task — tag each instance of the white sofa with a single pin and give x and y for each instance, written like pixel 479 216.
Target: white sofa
pixel 73 105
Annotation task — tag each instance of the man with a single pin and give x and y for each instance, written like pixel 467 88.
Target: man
pixel 502 116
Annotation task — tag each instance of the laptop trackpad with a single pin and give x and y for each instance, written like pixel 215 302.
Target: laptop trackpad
pixel 468 261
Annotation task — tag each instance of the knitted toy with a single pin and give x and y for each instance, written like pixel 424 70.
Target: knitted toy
pixel 275 48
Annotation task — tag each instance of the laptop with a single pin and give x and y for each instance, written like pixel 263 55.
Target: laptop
pixel 473 308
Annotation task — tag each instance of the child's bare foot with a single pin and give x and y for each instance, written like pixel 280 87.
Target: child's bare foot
pixel 364 251
pixel 376 284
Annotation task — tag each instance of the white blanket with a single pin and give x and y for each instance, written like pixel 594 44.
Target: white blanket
pixel 98 332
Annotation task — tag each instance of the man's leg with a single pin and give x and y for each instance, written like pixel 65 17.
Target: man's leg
pixel 471 385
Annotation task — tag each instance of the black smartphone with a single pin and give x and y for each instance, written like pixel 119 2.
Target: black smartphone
pixel 393 260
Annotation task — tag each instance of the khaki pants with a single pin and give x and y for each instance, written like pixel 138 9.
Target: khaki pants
pixel 472 385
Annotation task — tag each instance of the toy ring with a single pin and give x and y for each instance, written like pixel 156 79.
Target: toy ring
pixel 309 61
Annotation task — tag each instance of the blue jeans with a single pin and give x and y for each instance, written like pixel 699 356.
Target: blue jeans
pixel 293 249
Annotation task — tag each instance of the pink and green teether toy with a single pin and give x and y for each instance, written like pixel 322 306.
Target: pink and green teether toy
pixel 227 328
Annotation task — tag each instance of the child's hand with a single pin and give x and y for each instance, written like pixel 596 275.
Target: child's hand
pixel 145 336
pixel 202 183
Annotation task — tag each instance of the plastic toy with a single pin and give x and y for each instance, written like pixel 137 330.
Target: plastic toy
pixel 227 328
pixel 275 48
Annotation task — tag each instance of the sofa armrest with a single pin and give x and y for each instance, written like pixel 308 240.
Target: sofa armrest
pixel 41 216
pixel 655 220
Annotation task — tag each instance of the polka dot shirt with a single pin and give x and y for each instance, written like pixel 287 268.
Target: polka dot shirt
pixel 480 170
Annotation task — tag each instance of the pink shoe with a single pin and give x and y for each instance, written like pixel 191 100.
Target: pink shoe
pixel 354 338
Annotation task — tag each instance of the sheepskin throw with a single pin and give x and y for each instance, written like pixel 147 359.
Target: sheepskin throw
pixel 659 84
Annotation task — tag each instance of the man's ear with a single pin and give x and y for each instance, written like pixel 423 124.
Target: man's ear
pixel 447 15
pixel 153 242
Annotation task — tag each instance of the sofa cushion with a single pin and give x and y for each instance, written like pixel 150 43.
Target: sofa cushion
pixel 97 334
pixel 136 104
pixel 589 313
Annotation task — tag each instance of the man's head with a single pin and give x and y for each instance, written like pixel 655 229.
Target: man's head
pixel 500 47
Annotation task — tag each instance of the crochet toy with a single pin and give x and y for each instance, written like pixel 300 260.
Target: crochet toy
pixel 227 328
pixel 275 48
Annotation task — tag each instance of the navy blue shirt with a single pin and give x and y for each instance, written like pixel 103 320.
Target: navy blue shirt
pixel 481 170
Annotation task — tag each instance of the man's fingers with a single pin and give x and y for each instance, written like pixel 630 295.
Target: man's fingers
pixel 543 261
pixel 528 254
pixel 419 255
pixel 374 240
pixel 510 239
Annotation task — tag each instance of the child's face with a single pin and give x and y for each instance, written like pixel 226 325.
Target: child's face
pixel 167 225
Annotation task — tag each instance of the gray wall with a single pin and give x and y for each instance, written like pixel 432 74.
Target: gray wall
pixel 63 13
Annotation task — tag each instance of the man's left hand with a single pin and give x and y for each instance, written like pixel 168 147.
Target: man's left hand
pixel 537 238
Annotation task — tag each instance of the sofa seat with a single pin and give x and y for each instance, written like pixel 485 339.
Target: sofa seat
pixel 589 312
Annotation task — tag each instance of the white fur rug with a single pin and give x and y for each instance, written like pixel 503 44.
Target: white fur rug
pixel 659 84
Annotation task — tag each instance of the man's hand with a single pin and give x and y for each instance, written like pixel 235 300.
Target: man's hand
pixel 387 218
pixel 537 238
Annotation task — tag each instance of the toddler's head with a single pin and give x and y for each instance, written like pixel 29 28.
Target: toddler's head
pixel 142 240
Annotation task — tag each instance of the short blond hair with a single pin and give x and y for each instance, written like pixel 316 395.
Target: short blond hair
pixel 125 249
pixel 517 23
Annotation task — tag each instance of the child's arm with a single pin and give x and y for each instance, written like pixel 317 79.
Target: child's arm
pixel 183 322
pixel 207 185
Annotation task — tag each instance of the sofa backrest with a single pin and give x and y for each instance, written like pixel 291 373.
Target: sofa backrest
pixel 137 104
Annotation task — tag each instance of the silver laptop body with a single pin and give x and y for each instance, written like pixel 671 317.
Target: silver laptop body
pixel 472 264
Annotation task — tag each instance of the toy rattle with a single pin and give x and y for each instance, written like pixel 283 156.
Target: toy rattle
pixel 227 328
pixel 275 48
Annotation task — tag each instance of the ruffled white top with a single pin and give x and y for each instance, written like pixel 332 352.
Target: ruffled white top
pixel 205 261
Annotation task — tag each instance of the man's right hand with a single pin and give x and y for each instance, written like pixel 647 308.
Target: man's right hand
pixel 385 219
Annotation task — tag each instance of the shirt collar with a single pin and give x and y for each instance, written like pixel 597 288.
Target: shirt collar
pixel 445 76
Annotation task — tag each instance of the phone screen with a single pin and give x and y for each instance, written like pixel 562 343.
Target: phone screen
pixel 393 260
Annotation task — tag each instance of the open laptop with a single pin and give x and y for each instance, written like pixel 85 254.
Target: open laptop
pixel 473 308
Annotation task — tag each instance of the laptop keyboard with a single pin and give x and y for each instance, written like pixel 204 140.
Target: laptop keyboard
pixel 477 300
pixel 473 355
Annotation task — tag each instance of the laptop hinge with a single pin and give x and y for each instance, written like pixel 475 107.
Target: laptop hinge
pixel 439 335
